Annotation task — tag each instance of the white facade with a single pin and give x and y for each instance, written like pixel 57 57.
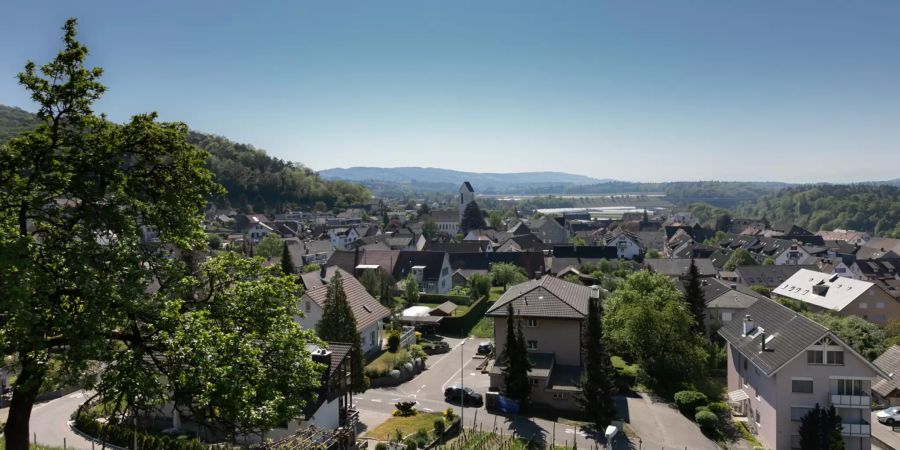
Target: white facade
pixel 342 239
pixel 626 246
pixel 370 337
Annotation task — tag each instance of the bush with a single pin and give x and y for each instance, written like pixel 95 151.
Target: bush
pixel 124 436
pixel 394 341
pixel 720 408
pixel 688 401
pixel 381 446
pixel 405 409
pixel 449 414
pixel 708 421
pixel 439 427
pixel 416 351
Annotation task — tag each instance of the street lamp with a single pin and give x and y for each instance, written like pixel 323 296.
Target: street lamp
pixel 462 386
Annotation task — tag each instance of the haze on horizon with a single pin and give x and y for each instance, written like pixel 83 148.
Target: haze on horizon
pixel 642 91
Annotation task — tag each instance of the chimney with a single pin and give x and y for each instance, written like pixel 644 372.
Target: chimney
pixel 733 285
pixel 595 292
pixel 762 343
pixel 322 272
pixel 748 325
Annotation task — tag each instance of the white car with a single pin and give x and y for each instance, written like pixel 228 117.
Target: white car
pixel 889 416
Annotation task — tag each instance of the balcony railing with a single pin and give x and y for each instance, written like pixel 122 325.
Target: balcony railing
pixel 851 401
pixel 856 429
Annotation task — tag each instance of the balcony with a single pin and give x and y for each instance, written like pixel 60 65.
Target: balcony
pixel 851 401
pixel 856 429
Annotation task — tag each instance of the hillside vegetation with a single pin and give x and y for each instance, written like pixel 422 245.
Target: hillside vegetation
pixel 864 207
pixel 254 180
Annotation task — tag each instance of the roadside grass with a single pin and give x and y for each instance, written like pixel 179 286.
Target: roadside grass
pixel 386 361
pixel 484 440
pixel 496 292
pixel 484 328
pixel 31 447
pixel 406 425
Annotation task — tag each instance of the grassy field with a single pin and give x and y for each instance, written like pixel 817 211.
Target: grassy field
pixel 387 361
pixel 484 328
pixel 496 292
pixel 406 425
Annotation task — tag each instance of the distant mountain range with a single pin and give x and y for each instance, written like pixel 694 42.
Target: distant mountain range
pixel 481 181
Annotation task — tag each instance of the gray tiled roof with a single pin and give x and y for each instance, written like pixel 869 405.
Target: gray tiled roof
pixel 546 297
pixel 541 364
pixel 679 267
pixel 365 308
pixel 889 362
pixel 790 332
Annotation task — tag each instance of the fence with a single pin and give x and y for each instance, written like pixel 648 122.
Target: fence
pixel 462 324
pixel 438 298
pixel 408 337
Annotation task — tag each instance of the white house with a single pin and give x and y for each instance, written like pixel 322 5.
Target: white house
pixel 341 238
pixel 626 243
pixel 369 313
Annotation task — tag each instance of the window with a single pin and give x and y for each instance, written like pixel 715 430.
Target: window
pixel 308 306
pixel 532 345
pixel 559 396
pixel 879 305
pixel 745 364
pixel 797 412
pixel 532 323
pixel 802 386
pixel 726 316
pixel 814 357
pixel 863 305
pixel 534 381
pixel 835 358
pixel 850 387
pixel 757 417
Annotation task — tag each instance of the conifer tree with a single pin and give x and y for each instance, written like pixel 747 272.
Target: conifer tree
pixel 287 265
pixel 693 296
pixel 338 324
pixel 820 429
pixel 515 375
pixel 472 218
pixel 597 381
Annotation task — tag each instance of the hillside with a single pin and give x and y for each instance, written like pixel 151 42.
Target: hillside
pixel 436 179
pixel 866 207
pixel 254 180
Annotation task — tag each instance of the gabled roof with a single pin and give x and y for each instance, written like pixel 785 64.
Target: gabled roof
pixel 531 262
pixel 467 186
pixel 365 308
pixel 719 294
pixel 824 290
pixel 433 262
pixel 312 280
pixel 451 216
pixel 888 362
pixel 457 247
pixel 679 267
pixel 546 297
pixel 769 276
pixel 585 251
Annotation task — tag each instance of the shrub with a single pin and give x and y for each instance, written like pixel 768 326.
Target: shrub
pixel 393 341
pixel 439 427
pixel 688 401
pixel 416 351
pixel 410 444
pixel 720 408
pixel 708 421
pixel 381 446
pixel 124 436
pixel 449 414
pixel 405 409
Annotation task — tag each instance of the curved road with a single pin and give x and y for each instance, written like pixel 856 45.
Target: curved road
pixel 50 422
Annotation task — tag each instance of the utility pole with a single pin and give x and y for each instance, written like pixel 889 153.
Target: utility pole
pixel 462 391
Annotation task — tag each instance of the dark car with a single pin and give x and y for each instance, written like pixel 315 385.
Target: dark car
pixel 456 393
pixel 485 348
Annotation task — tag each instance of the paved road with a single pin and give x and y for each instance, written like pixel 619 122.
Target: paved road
pixel 50 422
pixel 884 433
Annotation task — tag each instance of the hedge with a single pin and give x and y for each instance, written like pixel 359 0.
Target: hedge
pixel 124 436
pixel 438 298
pixel 462 324
pixel 688 401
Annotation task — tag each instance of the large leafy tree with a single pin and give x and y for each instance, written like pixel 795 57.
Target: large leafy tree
pixel 270 246
pixel 75 277
pixel 740 257
pixel 820 429
pixel 504 274
pixel 515 375
pixel 411 290
pixel 694 298
pixel 647 320
pixel 597 381
pixel 472 218
pixel 378 284
pixel 338 324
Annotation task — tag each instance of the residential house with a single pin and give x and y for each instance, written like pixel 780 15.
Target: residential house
pixel 311 252
pixel 886 391
pixel 840 295
pixel 726 302
pixel 430 269
pixel 878 248
pixel 464 265
pixel 257 227
pixel 782 250
pixel 342 237
pixel 626 243
pixel 549 231
pixel 781 364
pixel 447 221
pixel 679 268
pixel 565 256
pixel 552 313
pixel 769 276
pixel 369 313
pixel 849 236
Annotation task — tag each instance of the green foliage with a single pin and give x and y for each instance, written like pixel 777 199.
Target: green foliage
pixel 597 383
pixel 505 274
pixel 495 220
pixel 739 257
pixel 213 241
pixel 378 284
pixel 430 229
pixel 646 319
pixel 270 246
pixel 515 374
pixel 688 401
pixel 652 253
pixel 479 286
pixel 381 446
pixel 694 298
pixel 287 265
pixel 860 334
pixel 795 305
pixel 472 218
pixel 411 290
pixel 309 268
pixel 123 436
pixel 768 261
pixel 820 429
pixel 865 207
pixel 572 278
pixel 760 289
pixel 393 341
pixel 708 421
pixel 720 408
pixel 338 324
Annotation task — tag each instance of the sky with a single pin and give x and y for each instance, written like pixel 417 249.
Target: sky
pixel 797 91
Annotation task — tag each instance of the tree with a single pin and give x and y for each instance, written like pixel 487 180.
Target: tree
pixel 515 375
pixel 74 276
pixel 411 290
pixel 577 241
pixel 597 380
pixel 723 222
pixel 505 274
pixel 647 321
pixel 768 261
pixel 270 246
pixel 338 324
pixel 694 298
pixel 820 429
pixel 424 209
pixel 472 218
pixel 863 336
pixel 287 264
pixel 479 286
pixel 760 289
pixel 740 257
pixel 495 218
pixel 430 229
pixel 378 284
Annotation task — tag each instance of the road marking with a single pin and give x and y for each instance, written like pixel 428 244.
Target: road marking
pixel 448 353
pixel 376 400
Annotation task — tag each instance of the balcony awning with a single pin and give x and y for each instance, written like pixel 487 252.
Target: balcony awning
pixel 738 395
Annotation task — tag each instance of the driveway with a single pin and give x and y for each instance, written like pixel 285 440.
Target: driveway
pixel 883 436
pixel 660 426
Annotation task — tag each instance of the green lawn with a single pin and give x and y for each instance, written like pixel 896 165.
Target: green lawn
pixel 406 425
pixel 484 328
pixel 496 292
pixel 387 361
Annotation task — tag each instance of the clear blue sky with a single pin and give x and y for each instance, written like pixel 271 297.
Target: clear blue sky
pixel 667 90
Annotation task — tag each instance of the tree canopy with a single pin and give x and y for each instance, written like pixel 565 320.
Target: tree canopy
pixel 338 324
pixel 472 218
pixel 740 257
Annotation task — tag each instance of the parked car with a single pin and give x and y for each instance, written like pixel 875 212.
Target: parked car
pixel 485 348
pixel 889 416
pixel 465 394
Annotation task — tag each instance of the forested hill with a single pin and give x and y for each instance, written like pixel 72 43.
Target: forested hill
pixel 866 207
pixel 254 180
